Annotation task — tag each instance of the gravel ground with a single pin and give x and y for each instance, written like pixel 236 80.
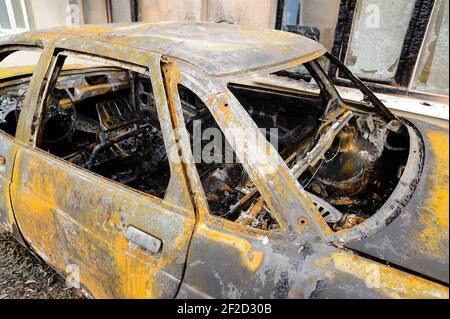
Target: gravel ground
pixel 23 276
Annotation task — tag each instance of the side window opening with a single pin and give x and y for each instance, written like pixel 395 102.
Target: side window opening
pixel 349 173
pixel 103 118
pixel 16 68
pixel 223 178
pixel 295 116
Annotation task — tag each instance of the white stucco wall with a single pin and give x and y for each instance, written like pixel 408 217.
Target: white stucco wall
pixel 166 10
pixel 47 13
pixel 259 13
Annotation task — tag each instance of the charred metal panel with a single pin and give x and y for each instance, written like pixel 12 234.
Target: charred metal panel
pixel 418 238
pixel 73 217
pixel 357 277
pixel 67 223
pixel 252 265
pixel 261 265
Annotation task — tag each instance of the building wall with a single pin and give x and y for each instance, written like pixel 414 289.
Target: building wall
pixel 259 13
pixel 94 12
pixel 166 10
pixel 255 13
pixel 322 14
pixel 121 11
pixel 52 13
pixel 47 13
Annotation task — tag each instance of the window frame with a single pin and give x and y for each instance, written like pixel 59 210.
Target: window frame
pixel 409 55
pixel 12 18
pixel 51 75
pixel 402 82
pixel 205 214
pixel 213 91
pixel 5 52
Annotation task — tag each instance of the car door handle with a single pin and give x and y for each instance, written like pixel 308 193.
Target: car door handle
pixel 2 161
pixel 144 240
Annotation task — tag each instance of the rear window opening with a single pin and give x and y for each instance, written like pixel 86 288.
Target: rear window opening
pixel 360 169
pixel 350 184
pixel 360 155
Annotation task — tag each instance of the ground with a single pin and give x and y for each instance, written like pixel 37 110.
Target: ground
pixel 22 275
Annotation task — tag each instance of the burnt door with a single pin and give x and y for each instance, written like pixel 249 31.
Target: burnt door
pixel 118 242
pixel 16 69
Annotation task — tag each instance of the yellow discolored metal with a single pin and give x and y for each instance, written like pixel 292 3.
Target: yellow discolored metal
pixel 435 211
pixel 389 281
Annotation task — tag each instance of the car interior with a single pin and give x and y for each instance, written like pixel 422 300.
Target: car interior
pixel 105 120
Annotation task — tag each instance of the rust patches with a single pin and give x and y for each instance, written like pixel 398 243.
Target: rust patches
pixel 435 212
pixel 60 219
pixel 136 278
pixel 390 282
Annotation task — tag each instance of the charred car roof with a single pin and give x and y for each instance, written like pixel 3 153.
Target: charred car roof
pixel 217 49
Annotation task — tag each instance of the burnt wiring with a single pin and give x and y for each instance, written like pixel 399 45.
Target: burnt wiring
pixel 321 163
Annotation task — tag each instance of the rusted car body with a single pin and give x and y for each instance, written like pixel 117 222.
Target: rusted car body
pixel 296 228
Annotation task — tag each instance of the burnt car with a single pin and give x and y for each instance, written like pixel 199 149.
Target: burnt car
pixel 99 177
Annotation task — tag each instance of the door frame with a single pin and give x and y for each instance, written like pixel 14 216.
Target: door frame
pixel 15 142
pixel 177 194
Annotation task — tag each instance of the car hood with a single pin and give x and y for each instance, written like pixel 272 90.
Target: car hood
pixel 417 240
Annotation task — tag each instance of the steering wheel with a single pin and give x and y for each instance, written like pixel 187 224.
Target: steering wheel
pixel 19 105
pixel 66 114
